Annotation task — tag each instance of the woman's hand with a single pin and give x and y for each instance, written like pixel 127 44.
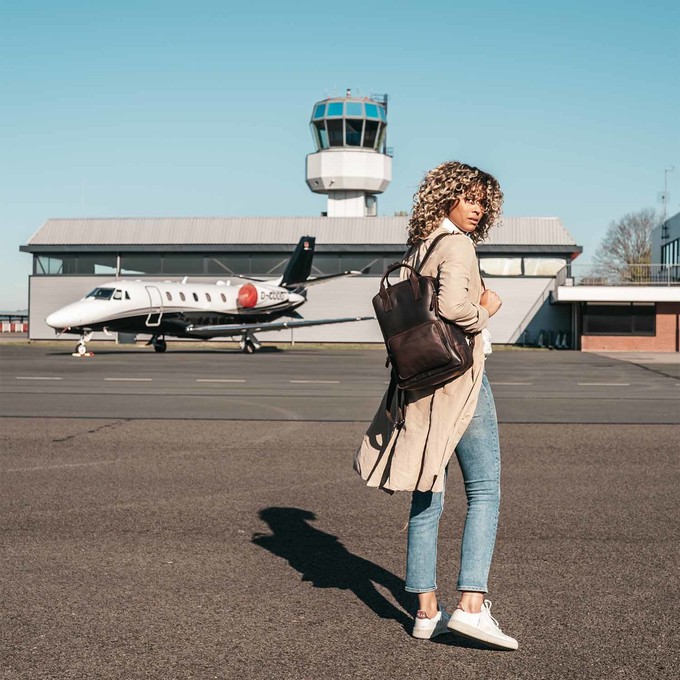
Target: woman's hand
pixel 490 301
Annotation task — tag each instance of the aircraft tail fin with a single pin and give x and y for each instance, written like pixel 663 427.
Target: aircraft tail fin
pixel 300 264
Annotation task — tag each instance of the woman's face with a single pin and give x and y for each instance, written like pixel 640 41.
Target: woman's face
pixel 466 214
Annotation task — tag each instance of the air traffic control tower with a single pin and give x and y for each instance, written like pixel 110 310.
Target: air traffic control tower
pixel 351 163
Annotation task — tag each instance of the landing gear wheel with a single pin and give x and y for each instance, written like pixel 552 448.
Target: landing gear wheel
pixel 81 349
pixel 248 347
pixel 160 345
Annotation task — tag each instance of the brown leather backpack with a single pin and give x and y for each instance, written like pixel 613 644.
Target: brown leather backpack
pixel 424 349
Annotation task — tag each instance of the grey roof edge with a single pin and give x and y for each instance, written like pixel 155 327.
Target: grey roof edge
pixel 83 231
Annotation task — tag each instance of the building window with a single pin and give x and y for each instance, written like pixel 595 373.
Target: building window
pixel 670 253
pixel 183 264
pixel 501 266
pixel 353 132
pixel 104 263
pixel 354 109
pixel 619 318
pixel 334 109
pixel 140 264
pixel 55 264
pixel 320 134
pixel 335 136
pixel 370 134
pixel 264 264
pixel 371 111
pixel 543 266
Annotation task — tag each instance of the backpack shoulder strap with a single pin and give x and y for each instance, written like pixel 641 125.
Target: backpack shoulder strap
pixel 430 250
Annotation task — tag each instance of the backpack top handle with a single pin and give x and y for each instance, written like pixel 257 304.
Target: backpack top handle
pixel 385 284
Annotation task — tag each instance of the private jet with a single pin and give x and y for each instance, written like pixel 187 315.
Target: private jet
pixel 237 307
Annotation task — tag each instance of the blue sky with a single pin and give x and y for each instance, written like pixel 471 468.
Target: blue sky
pixel 202 108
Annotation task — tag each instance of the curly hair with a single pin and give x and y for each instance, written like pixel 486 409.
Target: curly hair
pixel 442 188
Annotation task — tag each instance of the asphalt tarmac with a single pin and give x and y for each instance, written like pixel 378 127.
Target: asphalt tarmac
pixel 152 544
pixel 193 382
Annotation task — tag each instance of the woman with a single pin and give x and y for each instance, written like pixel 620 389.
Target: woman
pixel 458 416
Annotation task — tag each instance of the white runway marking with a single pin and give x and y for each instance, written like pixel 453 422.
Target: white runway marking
pixel 59 467
pixel 511 383
pixel 129 379
pixel 219 380
pixel 598 384
pixel 36 377
pixel 315 382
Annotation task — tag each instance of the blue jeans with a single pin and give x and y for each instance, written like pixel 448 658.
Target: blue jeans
pixel 479 457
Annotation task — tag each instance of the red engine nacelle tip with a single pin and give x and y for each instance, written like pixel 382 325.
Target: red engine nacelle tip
pixel 247 295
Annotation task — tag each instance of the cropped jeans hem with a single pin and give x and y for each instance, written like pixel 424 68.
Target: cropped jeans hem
pixel 408 589
pixel 471 589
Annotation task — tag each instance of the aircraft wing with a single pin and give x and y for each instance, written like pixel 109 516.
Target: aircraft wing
pixel 313 280
pixel 235 328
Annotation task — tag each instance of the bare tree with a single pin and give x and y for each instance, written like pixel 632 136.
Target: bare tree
pixel 626 244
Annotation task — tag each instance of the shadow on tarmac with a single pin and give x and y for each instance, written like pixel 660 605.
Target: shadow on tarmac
pixel 322 559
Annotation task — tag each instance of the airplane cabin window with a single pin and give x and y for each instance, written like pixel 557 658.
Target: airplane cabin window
pixel 207 297
pixel 181 297
pixel 118 295
pixel 168 295
pixel 195 297
pixel 224 297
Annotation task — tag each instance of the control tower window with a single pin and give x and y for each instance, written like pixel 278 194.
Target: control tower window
pixel 354 109
pixel 353 132
pixel 381 111
pixel 334 109
pixel 320 134
pixel 370 133
pixel 381 137
pixel 319 111
pixel 371 111
pixel 335 132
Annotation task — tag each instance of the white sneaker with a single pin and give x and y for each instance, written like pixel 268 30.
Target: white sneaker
pixel 425 628
pixel 481 626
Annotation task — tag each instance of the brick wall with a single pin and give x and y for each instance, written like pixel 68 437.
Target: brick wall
pixel 665 340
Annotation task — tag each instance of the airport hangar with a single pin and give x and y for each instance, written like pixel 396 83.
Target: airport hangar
pixel 520 260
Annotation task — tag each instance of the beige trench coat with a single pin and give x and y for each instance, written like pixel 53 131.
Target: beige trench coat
pixel 416 455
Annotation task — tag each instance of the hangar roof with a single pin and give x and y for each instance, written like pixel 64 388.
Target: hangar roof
pixel 118 231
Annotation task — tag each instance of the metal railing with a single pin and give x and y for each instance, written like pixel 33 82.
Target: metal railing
pixel 625 275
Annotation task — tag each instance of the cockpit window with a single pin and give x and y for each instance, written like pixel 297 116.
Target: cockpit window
pixel 118 295
pixel 101 293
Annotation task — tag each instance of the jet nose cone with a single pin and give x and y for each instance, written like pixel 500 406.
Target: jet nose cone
pixel 60 319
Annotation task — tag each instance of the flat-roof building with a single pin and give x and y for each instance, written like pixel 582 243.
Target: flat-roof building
pixel 72 256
